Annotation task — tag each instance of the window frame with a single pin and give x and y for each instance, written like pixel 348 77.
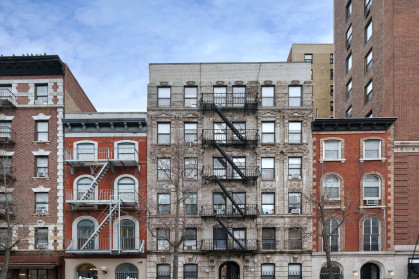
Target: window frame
pixel 295 243
pixel 165 167
pixel 331 58
pixel 349 112
pixel 367 32
pixel 41 237
pixel 267 274
pixel 190 137
pixel 292 98
pixel 164 133
pixel 164 208
pixel 348 9
pixel 267 242
pixel 349 62
pixel 299 272
pixel 325 150
pixel 368 61
pixel 349 90
pixel 331 74
pixel 193 239
pixel 368 93
pixel 331 235
pixel 297 205
pixel 41 203
pixel 296 132
pixel 263 161
pixel 162 239
pixel 190 105
pixel 220 100
pixel 264 134
pixel 241 96
pixel 190 274
pixel 192 205
pixel 379 142
pixel 348 36
pixel 219 208
pixel 39 168
pixel 290 175
pixel 39 132
pixel 190 170
pixel 265 99
pixel 41 97
pixel 367 7
pixel 368 238
pixel 270 210
pixel 163 274
pixel 378 186
pixel 331 90
pixel 310 59
pixel 334 186
pixel 127 227
pixel 160 99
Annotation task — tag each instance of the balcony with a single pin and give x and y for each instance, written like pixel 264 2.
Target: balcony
pixel 103 245
pixel 119 158
pixel 227 137
pixel 7 98
pixel 250 211
pixel 229 245
pixel 229 174
pixel 105 196
pixel 6 172
pixel 7 135
pixel 230 101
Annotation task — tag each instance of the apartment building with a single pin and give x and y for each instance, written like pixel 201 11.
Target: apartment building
pixel 229 164
pixel 35 92
pixel 321 58
pixel 375 66
pixel 353 183
pixel 105 195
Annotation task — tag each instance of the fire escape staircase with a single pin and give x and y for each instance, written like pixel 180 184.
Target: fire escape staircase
pixel 239 244
pixel 96 181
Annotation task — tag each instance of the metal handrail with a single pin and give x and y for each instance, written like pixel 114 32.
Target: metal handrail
pixel 230 211
pixel 227 136
pixel 7 133
pixel 103 195
pixel 229 100
pixel 228 173
pixel 100 154
pixel 7 96
pixel 229 245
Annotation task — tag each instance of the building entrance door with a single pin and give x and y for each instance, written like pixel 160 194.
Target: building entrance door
pixel 229 270
pixel 370 271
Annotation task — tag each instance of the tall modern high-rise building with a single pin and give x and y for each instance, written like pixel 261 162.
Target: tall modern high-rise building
pixel 376 67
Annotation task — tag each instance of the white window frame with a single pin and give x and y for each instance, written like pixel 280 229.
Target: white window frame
pixel 40 132
pixel 337 233
pixel 75 144
pixel 268 96
pixel 375 186
pixel 116 145
pixel 379 149
pixel 368 31
pixel 160 99
pixel 268 160
pixel 368 91
pixel 267 131
pixel 270 194
pixel 187 137
pixel 161 131
pixel 349 63
pixel 164 164
pixel 163 243
pixel 349 89
pixel 339 157
pixel 189 100
pixel 349 36
pixel 338 186
pixel 297 131
pixel 190 173
pixel 294 96
pixel 368 61
pixel 379 234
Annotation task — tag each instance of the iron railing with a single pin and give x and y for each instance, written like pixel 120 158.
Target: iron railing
pixel 229 211
pixel 228 173
pixel 6 170
pixel 7 134
pixel 102 243
pixel 228 137
pixel 243 101
pixel 7 98
pixel 101 154
pixel 229 245
pixel 103 195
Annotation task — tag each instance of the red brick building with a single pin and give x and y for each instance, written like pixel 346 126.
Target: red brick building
pixel 105 195
pixel 34 94
pixel 353 163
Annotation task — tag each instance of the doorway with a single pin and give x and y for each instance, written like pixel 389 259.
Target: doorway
pixel 229 270
pixel 370 271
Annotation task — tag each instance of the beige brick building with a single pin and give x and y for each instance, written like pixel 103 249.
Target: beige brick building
pixel 230 143
pixel 321 58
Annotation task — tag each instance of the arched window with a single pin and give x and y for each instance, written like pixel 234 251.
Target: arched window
pixel 372 187
pixel 324 274
pixel 126 271
pixel 331 188
pixel 126 189
pixel 127 236
pixel 126 151
pixel 372 234
pixel 85 229
pixel 332 228
pixel 87 271
pixel 85 151
pixel 83 184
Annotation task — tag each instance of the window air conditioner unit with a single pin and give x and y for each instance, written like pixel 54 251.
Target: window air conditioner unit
pixel 42 245
pixel 295 211
pixel 372 202
pixel 190 247
pixel 295 176
pixel 42 210
pixel 41 174
pixel 40 102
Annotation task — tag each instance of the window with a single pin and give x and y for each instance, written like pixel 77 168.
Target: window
pixel 163 271
pixel 268 132
pixel 294 94
pixel 308 57
pixel 294 203
pixel 219 203
pixel 331 149
pixel 239 96
pixel 349 89
pixel 348 9
pixel 371 234
pixel 268 238
pixel 220 95
pixel 331 74
pixel 3 236
pixel 294 239
pixel 85 271
pixel 6 131
pixel 240 235
pixel 240 200
pixel 6 202
pixel 126 271
pixel 372 149
pixel 368 31
pixel 331 188
pixel 220 167
pixel 349 112
pixel 349 36
pixel 127 241
pixel 190 271
pixel 372 185
pixel 126 189
pixel 219 238
pixel 240 163
pixel 41 203
pixel 41 130
pixel 163 169
pixel 331 105
pixel 331 90
pixel 331 58
pixel 163 236
pixel 332 229
pixel 190 239
pixel 294 271
pixel 164 203
pixel 41 238
pixel 349 63
pixel 191 168
pixel 163 133
pixel 126 151
pixel 85 151
pixel 294 132
pixel 220 132
pixel 369 114
pixel 191 205
pixel 6 166
pixel 311 74
pixel 268 168
pixel 268 203
pixel 163 97
pixel 324 273
pixel 191 97
pixel 241 128
pixel 83 185
pixel 191 132
pixel 41 166
pixel 268 95
pixel 294 168
pixel 85 228
pixel 41 93
pixel 368 60
pixel 367 6
pixel 268 271
pixel 368 91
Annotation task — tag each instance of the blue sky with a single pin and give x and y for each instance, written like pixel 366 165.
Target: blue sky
pixel 109 43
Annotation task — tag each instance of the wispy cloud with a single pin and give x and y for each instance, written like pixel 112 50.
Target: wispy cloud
pixel 108 44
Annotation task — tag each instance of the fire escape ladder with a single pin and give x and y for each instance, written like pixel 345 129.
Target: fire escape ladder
pixel 229 196
pixel 229 233
pixel 96 181
pixel 104 222
pixel 229 124
pixel 229 160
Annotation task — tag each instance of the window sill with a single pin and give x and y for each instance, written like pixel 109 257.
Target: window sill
pixel 40 177
pixel 372 206
pixel 41 214
pixel 41 142
pixel 372 159
pixel 267 143
pixel 268 179
pixel 342 160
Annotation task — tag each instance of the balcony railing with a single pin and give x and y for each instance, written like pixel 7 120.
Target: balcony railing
pixel 229 211
pixel 229 245
pixel 103 245
pixel 227 137
pixel 7 98
pixel 228 173
pixel 6 171
pixel 126 157
pixel 101 196
pixel 238 101
pixel 7 135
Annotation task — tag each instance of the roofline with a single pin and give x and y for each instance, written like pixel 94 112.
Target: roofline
pixel 201 63
pixel 352 124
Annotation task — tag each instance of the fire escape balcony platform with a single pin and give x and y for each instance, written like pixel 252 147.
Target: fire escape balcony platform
pixel 228 138
pixel 229 174
pixel 104 246
pixel 210 211
pixel 103 197
pixel 229 101
pixel 82 158
pixel 229 246
pixel 7 98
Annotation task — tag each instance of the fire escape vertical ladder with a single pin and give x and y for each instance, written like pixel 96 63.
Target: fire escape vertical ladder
pixel 104 222
pixel 229 233
pixel 229 124
pixel 96 181
pixel 229 196
pixel 229 160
